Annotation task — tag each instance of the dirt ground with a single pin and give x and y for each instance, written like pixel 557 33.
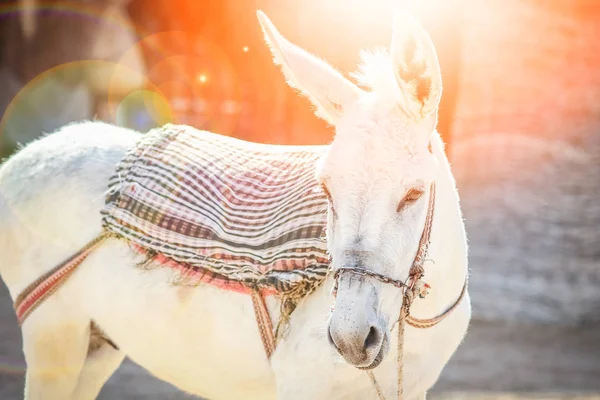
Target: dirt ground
pixel 497 361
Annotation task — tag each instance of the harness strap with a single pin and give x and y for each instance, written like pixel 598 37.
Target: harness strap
pixel 38 291
pixel 265 325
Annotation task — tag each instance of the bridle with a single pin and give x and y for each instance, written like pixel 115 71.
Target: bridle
pixel 412 287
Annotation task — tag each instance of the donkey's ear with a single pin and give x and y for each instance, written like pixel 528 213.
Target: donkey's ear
pixel 416 67
pixel 326 88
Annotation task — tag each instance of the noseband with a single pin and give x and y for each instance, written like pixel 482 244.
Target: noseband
pixel 413 286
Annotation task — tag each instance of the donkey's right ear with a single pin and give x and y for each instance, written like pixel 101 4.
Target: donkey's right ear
pixel 328 90
pixel 416 67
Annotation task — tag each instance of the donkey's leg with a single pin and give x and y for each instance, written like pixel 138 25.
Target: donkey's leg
pixel 100 364
pixel 55 352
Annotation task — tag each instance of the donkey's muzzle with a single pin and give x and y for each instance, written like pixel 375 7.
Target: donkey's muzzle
pixel 361 346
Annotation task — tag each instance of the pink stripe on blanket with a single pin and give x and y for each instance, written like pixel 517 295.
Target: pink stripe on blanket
pixel 195 275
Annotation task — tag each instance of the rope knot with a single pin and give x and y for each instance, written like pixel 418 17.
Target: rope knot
pixel 417 271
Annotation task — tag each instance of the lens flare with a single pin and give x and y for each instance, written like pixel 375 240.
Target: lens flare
pixel 12 367
pixel 197 82
pixel 144 110
pixel 46 103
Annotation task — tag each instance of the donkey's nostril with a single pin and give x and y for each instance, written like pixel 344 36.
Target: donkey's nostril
pixel 373 338
pixel 359 347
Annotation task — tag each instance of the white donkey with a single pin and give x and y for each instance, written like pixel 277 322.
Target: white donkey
pixel 378 173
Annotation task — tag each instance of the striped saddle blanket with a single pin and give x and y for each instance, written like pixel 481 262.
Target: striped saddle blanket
pixel 222 209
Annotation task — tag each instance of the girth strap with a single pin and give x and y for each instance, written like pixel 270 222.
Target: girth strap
pixel 265 325
pixel 34 294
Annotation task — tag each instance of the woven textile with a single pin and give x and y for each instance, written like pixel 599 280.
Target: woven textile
pixel 243 212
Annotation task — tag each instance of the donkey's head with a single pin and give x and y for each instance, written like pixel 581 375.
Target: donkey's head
pixel 376 174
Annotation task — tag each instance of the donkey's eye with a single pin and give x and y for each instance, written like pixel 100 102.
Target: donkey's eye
pixel 411 196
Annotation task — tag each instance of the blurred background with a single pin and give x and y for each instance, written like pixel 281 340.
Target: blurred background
pixel 520 114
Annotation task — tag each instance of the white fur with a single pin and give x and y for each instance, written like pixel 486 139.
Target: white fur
pixel 205 340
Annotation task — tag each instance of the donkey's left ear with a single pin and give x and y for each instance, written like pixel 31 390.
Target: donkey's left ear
pixel 328 90
pixel 416 67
